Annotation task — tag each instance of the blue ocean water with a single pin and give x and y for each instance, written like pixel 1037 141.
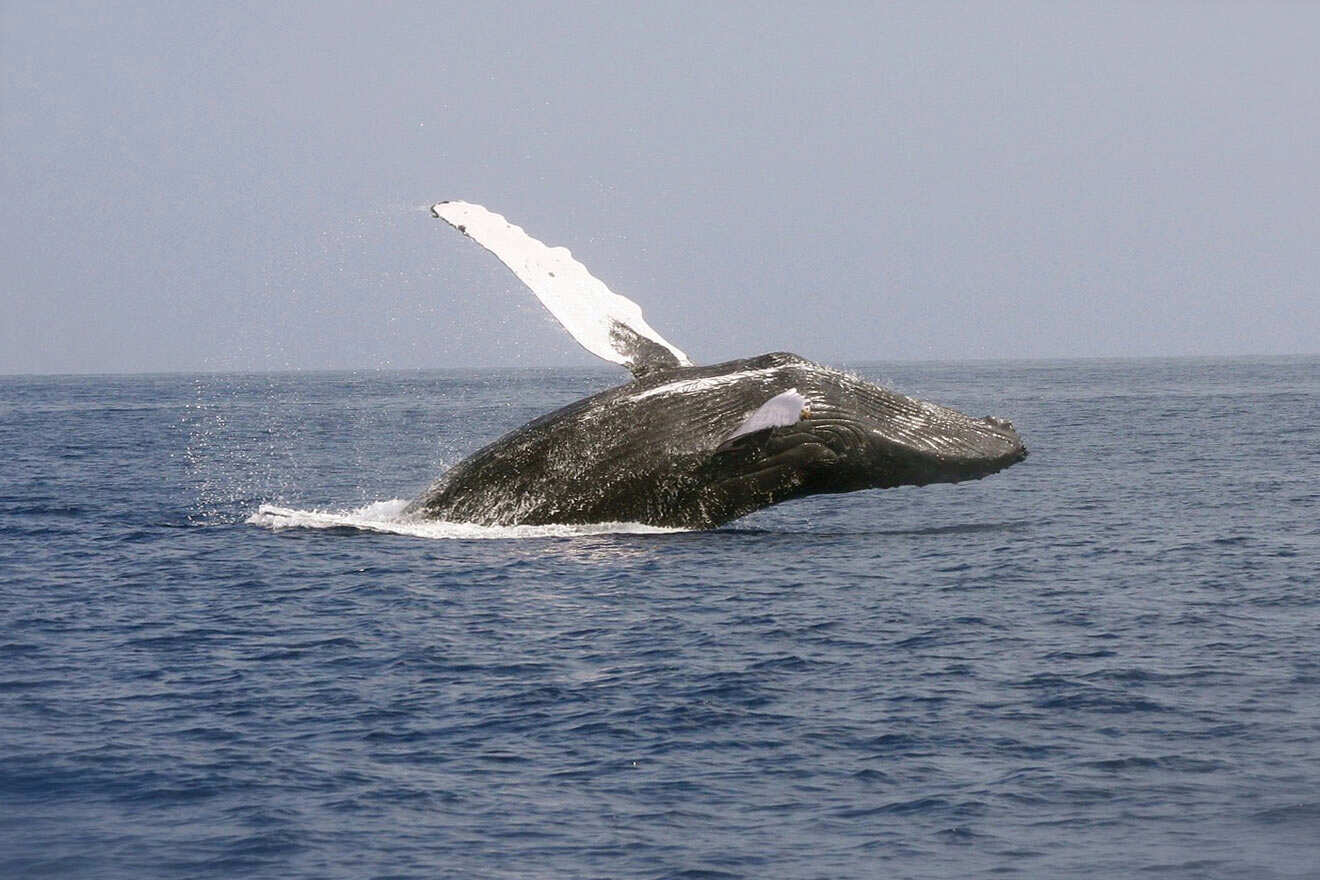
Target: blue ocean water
pixel 1104 661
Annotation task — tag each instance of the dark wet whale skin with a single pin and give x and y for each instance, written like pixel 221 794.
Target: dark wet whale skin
pixel 650 451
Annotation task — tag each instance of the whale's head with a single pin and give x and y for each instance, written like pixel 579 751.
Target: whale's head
pixel 853 435
pixel 873 438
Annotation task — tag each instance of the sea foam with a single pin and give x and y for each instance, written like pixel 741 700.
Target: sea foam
pixel 388 517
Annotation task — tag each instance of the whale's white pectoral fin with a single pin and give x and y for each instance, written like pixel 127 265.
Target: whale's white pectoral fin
pixel 606 324
pixel 779 411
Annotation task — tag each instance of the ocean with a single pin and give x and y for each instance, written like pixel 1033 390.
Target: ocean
pixel 220 657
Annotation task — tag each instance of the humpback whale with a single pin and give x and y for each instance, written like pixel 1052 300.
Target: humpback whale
pixel 691 446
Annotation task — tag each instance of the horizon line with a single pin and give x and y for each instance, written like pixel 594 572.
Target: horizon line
pixel 614 367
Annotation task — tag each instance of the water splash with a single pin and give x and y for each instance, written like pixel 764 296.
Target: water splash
pixel 388 517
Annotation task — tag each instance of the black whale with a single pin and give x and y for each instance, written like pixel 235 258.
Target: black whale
pixel 651 451
pixel 691 446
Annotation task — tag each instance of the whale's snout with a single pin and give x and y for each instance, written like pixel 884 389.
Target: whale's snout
pixel 865 436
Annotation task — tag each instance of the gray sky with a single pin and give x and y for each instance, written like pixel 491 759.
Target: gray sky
pixel 243 188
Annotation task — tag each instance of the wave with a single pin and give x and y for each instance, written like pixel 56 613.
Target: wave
pixel 388 517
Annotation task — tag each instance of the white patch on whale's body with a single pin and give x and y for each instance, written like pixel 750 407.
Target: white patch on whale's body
pixel 589 310
pixel 777 412
pixel 685 386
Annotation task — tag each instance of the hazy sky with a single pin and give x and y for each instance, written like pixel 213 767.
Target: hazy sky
pixel 243 187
